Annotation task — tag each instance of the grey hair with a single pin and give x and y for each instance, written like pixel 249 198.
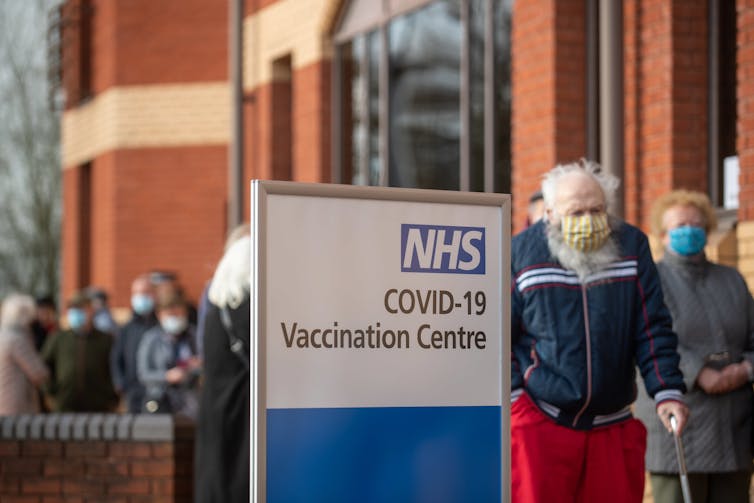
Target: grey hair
pixel 17 309
pixel 608 182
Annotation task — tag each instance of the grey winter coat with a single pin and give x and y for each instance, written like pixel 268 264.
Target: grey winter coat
pixel 713 315
pixel 159 352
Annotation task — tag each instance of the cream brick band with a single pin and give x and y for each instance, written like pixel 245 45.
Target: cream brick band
pixel 296 27
pixel 198 114
pixel 147 116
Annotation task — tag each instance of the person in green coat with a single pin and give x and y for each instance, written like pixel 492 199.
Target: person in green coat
pixel 79 363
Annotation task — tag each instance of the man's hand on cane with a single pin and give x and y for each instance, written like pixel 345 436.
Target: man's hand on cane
pixel 673 408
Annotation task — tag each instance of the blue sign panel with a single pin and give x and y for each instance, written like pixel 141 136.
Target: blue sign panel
pixel 384 455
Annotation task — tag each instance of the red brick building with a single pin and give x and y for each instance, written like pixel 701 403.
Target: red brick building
pixel 452 94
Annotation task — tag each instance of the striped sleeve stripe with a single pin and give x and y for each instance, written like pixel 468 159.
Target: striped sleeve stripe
pixel 611 418
pixel 516 393
pixel 614 273
pixel 547 278
pixel 549 408
pixel 554 275
pixel 543 270
pixel 668 394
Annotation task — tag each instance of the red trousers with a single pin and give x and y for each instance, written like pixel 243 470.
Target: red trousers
pixel 553 464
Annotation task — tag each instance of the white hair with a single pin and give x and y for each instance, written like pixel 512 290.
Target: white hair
pixel 231 282
pixel 608 182
pixel 17 309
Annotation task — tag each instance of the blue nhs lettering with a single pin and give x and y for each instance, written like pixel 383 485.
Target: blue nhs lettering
pixel 442 248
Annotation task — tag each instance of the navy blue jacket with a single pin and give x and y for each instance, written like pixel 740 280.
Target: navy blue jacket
pixel 576 345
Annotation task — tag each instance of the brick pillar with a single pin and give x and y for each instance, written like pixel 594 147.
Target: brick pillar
pixel 745 138
pixel 666 101
pixel 71 260
pixel 311 122
pixel 549 92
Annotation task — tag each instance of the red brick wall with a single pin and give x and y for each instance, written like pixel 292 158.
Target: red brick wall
pixel 54 467
pixel 745 127
pixel 259 133
pixel 311 123
pixel 632 112
pixel 171 213
pixel 170 41
pixel 71 50
pixel 549 86
pixel 156 208
pixel 665 101
pixel 690 94
pixel 70 243
pixel 281 140
pixel 146 42
pixel 307 151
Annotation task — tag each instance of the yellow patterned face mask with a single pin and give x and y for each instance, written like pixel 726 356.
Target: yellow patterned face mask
pixel 585 233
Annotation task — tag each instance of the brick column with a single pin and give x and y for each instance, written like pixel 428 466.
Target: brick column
pixel 549 92
pixel 745 138
pixel 71 253
pixel 311 114
pixel 666 101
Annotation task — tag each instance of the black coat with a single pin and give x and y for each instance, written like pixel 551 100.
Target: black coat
pixel 222 444
pixel 123 359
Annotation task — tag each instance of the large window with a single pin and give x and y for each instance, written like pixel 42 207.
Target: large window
pixel 422 94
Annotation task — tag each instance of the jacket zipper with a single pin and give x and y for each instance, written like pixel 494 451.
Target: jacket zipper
pixel 588 358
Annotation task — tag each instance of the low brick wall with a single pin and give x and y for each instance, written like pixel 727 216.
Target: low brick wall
pixel 85 458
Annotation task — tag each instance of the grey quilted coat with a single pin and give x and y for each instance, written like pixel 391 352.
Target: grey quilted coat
pixel 713 315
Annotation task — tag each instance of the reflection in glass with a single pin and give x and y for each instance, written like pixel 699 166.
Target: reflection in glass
pixel 423 87
pixel 362 70
pixel 425 122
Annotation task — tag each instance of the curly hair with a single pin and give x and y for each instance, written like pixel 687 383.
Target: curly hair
pixel 683 197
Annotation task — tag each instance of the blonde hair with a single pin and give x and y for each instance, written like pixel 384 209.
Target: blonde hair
pixel 683 197
pixel 17 309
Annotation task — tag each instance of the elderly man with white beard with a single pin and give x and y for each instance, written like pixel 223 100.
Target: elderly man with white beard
pixel 587 310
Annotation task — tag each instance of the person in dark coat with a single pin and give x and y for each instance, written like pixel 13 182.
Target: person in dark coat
pixel 222 445
pixel 586 310
pixel 123 356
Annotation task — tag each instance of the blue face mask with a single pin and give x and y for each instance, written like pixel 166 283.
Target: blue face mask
pixel 142 304
pixel 687 240
pixel 76 318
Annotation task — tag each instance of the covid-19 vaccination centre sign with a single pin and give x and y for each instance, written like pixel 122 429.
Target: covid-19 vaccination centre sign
pixel 380 344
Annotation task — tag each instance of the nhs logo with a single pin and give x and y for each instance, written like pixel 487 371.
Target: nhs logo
pixel 442 248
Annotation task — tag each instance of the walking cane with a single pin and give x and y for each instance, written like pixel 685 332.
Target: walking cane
pixel 681 461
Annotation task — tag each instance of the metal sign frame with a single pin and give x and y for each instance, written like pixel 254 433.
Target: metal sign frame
pixel 261 192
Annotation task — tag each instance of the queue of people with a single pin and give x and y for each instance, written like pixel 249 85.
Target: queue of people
pixel 591 310
pixel 606 345
pixel 87 363
pixel 154 363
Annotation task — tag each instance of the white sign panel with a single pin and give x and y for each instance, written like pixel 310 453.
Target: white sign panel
pixel 382 318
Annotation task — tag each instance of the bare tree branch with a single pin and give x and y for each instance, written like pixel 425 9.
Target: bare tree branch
pixel 29 153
